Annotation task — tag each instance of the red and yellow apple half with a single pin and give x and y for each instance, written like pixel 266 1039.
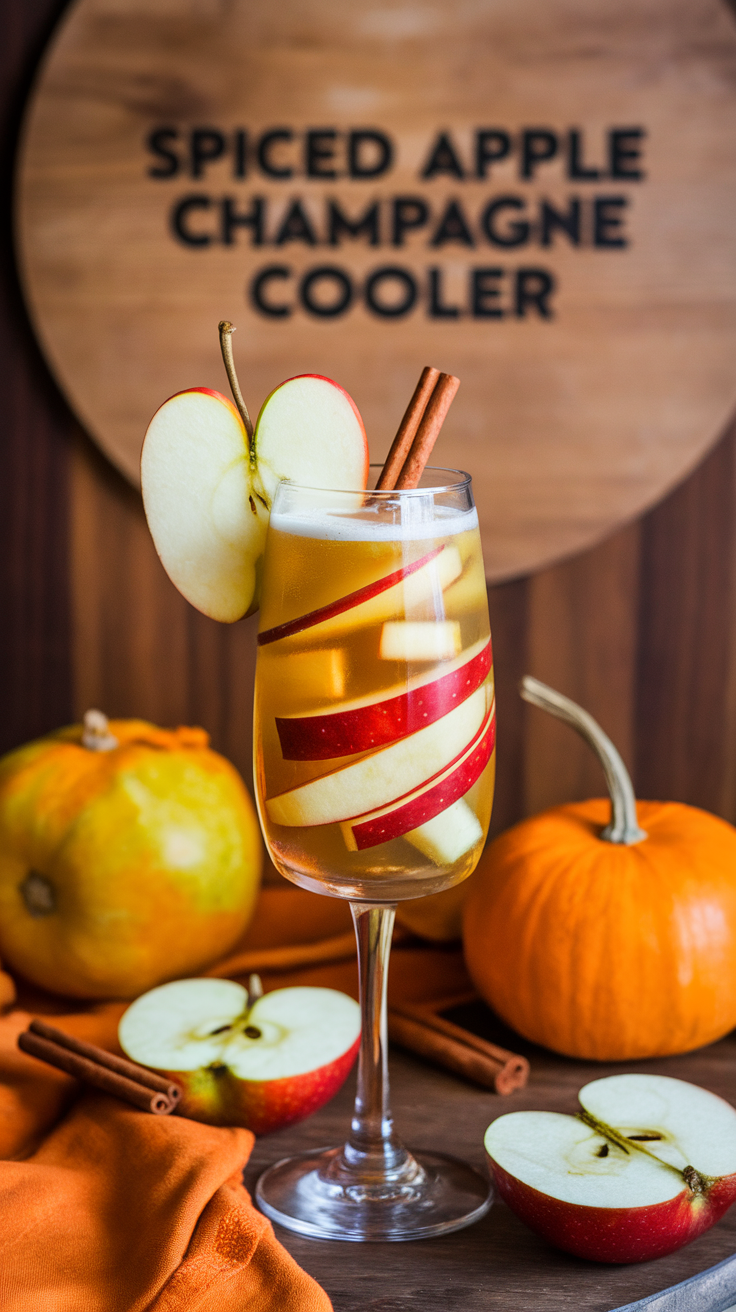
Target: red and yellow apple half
pixel 208 487
pixel 647 1166
pixel 264 1065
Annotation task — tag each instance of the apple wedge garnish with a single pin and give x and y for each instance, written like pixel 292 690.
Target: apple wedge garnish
pixel 374 721
pixel 647 1166
pixel 258 1061
pixel 385 775
pixel 410 588
pixel 414 811
pixel 208 479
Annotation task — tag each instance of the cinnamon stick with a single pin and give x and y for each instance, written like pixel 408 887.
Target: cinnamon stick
pixel 131 1069
pixel 102 1070
pixel 428 431
pixel 406 433
pixel 422 1031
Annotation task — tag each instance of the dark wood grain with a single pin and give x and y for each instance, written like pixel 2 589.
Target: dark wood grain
pixel 498 1263
pixel 35 627
pixel 686 639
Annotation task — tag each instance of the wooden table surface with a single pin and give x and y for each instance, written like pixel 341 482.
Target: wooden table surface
pixel 497 1263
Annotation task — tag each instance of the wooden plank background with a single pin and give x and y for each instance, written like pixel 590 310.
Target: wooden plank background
pixel 641 629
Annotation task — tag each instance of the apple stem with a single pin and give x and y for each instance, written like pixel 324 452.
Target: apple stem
pixel 96 736
pixel 226 330
pixel 694 1180
pixel 626 1145
pixel 255 991
pixel 624 826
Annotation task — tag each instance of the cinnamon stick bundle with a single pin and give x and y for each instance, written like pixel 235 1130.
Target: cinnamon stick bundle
pixel 418 430
pixel 407 429
pixel 422 1031
pixel 103 1070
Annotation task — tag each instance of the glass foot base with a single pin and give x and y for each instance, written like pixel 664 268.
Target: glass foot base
pixel 311 1195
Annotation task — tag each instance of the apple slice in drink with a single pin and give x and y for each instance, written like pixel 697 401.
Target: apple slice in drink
pixel 411 814
pixel 375 721
pixel 392 772
pixel 647 1166
pixel 207 486
pixel 405 590
pixel 262 1066
pixel 419 640
pixel 466 594
pixel 449 835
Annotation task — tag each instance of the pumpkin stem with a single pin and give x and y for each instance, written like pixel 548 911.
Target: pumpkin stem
pixel 226 330
pixel 624 827
pixel 96 735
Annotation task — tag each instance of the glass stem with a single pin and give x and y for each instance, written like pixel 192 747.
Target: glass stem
pixel 373 1149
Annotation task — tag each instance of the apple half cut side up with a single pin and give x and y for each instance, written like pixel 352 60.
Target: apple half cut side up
pixel 207 489
pixel 261 1066
pixel 648 1165
pixel 370 722
pixel 411 815
pixel 385 775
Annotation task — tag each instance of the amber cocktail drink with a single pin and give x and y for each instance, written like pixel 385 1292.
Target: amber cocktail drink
pixel 375 758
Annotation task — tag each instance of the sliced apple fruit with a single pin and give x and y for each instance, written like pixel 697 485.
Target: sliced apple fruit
pixel 263 1065
pixel 208 486
pixel 369 722
pixel 403 590
pixel 407 814
pixel 647 1166
pixel 384 775
pixel 419 640
pixel 207 521
pixel 449 835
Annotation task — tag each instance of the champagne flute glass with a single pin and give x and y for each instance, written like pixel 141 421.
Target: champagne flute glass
pixel 374 767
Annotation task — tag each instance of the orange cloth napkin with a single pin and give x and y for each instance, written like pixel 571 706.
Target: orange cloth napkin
pixel 104 1208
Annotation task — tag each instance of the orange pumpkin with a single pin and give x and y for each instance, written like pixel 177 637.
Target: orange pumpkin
pixel 129 855
pixel 612 942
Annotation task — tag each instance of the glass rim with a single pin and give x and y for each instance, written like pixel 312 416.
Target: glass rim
pixel 463 481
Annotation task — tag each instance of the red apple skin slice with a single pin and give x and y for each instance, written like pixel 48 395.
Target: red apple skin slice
pixel 348 602
pixel 385 775
pixel 219 1097
pixel 346 732
pixel 437 798
pixel 616 1234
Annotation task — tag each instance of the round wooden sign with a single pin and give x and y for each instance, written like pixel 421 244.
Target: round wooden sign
pixel 535 195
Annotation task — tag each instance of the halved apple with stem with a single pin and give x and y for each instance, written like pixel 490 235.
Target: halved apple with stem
pixel 647 1166
pixel 209 478
pixel 243 1057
